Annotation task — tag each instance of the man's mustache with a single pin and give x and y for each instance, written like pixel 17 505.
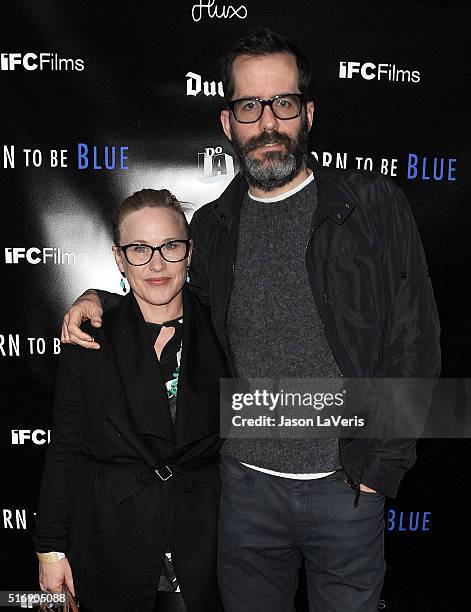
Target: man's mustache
pixel 266 138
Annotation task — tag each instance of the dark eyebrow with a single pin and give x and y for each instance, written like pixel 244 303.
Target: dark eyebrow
pixel 284 93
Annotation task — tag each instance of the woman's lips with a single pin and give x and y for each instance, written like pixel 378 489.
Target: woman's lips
pixel 157 281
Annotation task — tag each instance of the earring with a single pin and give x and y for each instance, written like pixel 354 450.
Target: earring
pixel 187 279
pixel 122 284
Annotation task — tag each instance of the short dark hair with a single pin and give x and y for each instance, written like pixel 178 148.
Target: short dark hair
pixel 147 198
pixel 262 41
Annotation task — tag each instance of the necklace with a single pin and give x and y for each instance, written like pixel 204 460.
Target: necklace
pixel 172 385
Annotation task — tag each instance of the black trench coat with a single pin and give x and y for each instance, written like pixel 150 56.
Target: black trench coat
pixel 100 503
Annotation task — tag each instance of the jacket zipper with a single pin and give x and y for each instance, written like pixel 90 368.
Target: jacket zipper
pixel 351 482
pixel 378 365
pixel 309 238
pixel 228 301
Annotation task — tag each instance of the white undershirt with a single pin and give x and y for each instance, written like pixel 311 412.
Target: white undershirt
pixel 285 194
pixel 288 475
pixel 278 198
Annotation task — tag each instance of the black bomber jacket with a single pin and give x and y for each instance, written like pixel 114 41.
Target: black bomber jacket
pixel 369 278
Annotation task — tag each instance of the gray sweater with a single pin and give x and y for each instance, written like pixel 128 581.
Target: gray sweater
pixel 274 327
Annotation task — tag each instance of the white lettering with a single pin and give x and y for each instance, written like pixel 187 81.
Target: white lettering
pixel 226 12
pixel 13 349
pixel 8 156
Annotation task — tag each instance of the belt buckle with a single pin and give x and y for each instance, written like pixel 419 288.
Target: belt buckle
pixel 164 478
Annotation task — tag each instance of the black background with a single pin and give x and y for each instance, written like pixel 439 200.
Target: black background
pixel 132 92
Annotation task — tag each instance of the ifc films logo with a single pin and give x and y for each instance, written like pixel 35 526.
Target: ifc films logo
pixel 33 255
pixel 370 71
pixel 39 61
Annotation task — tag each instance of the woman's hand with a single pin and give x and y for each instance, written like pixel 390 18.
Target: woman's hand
pixel 53 575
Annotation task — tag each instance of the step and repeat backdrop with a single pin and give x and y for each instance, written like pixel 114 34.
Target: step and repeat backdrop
pixel 99 100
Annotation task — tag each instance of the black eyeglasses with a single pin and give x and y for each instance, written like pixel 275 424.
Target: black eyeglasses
pixel 283 106
pixel 140 254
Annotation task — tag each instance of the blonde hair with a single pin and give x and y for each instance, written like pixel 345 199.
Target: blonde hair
pixel 147 198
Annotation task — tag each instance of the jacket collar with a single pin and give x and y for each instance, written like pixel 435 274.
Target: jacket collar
pixel 333 203
pixel 141 378
pixel 139 371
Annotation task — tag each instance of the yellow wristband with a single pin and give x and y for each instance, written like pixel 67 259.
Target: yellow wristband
pixel 50 557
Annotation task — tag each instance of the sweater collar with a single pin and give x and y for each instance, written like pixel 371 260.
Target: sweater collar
pixel 286 194
pixel 332 201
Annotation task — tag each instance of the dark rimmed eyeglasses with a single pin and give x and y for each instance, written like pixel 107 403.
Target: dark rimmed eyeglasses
pixel 140 254
pixel 283 106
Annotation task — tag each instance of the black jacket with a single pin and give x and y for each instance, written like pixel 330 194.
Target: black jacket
pixel 370 281
pixel 100 502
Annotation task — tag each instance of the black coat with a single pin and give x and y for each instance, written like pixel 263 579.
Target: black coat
pixel 100 502
pixel 369 278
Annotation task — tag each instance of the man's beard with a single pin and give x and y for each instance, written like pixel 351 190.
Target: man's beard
pixel 277 168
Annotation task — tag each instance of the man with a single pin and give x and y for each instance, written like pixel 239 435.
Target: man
pixel 310 272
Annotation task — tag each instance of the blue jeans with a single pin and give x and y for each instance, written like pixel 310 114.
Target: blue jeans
pixel 267 524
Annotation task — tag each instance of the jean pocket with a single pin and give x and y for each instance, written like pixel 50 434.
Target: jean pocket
pixel 337 475
pixel 232 468
pixel 371 493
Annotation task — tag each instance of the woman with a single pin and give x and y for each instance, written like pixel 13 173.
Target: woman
pixel 130 485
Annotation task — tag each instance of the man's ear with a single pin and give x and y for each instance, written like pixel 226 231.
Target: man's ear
pixel 310 112
pixel 226 123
